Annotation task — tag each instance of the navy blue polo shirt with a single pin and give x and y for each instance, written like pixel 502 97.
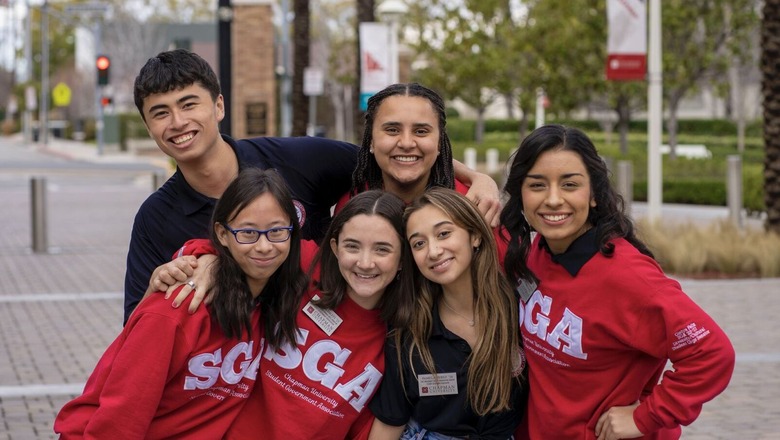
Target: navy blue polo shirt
pixel 395 403
pixel 317 171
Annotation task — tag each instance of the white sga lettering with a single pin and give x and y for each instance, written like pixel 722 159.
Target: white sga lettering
pixel 356 391
pixel 568 330
pixel 208 367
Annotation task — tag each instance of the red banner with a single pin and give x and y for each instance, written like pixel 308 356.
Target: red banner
pixel 627 41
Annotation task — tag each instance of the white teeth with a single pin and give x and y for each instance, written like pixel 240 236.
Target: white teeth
pixel 182 139
pixel 436 266
pixel 555 218
pixel 368 277
pixel 405 158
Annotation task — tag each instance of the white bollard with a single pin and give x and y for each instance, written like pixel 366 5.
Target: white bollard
pixel 470 158
pixel 491 160
pixel 734 189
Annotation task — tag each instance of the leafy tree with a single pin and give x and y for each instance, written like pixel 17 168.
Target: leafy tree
pixel 696 47
pixel 770 69
pixel 61 38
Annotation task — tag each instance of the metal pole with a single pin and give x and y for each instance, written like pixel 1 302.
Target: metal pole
pixel 734 189
pixel 312 115
pixel 27 120
pixel 99 119
pixel 654 115
pixel 225 19
pixel 394 63
pixel 625 183
pixel 539 107
pixel 158 179
pixel 38 214
pixel 43 118
pixel 286 77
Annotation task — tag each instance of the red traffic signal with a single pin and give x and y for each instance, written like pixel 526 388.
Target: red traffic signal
pixel 102 63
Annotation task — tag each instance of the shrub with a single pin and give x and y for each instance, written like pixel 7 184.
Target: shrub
pixel 695 192
pixel 716 249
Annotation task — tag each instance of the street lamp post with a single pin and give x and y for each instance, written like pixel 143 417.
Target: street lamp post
pixel 392 11
pixel 43 115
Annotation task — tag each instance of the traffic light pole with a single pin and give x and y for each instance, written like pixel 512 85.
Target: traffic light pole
pixel 43 116
pixel 98 93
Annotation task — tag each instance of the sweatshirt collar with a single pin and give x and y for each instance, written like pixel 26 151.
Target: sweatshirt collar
pixel 580 251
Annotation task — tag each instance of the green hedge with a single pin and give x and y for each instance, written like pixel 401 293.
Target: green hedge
pixel 705 192
pixel 461 129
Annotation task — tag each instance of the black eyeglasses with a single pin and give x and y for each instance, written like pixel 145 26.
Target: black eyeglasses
pixel 278 234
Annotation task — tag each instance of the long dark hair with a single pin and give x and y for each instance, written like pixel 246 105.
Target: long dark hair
pixel 607 217
pixel 368 175
pixel 233 304
pixel 398 300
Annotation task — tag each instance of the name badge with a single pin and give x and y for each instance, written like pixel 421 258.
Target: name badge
pixel 441 384
pixel 326 319
pixel 525 289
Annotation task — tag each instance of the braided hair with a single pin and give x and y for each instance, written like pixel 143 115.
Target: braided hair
pixel 368 175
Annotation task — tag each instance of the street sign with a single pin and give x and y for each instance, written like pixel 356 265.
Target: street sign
pixel 30 98
pixel 313 81
pixel 60 95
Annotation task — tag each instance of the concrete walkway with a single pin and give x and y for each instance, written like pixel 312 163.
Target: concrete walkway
pixel 60 309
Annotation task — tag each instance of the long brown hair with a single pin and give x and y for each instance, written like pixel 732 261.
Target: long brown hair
pixel 495 355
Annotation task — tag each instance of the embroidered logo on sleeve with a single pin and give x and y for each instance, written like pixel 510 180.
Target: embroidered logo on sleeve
pixel 690 335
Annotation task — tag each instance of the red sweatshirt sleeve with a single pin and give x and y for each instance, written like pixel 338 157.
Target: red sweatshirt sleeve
pixel 134 388
pixel 196 247
pixel 701 353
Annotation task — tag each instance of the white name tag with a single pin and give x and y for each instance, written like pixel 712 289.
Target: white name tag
pixel 325 319
pixel 441 384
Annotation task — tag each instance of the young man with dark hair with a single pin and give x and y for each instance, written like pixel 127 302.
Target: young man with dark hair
pixel 178 96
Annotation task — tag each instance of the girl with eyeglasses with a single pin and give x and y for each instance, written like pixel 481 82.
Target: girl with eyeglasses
pixel 319 386
pixel 170 374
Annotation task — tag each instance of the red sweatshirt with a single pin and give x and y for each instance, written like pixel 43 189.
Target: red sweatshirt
pixel 602 339
pixel 321 389
pixel 459 187
pixel 169 374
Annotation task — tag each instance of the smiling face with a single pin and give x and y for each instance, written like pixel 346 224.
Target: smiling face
pixel 369 256
pixel 184 122
pixel 405 143
pixel 258 260
pixel 442 250
pixel 557 197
